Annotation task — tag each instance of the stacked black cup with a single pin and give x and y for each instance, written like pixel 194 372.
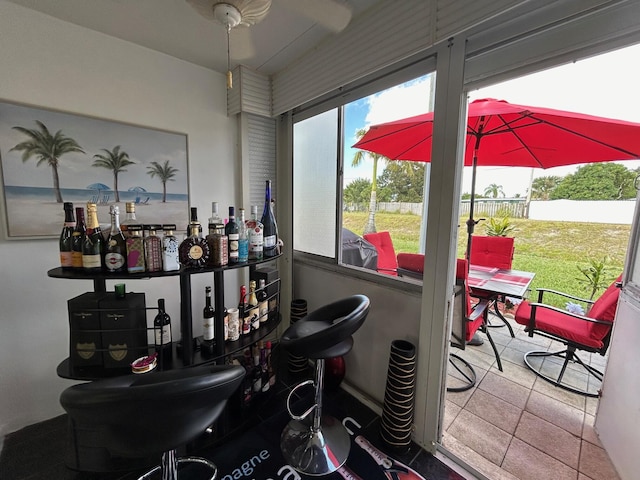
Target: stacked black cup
pixel 399 395
pixel 298 365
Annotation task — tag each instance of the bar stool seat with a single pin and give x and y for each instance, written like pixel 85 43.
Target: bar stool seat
pixel 319 444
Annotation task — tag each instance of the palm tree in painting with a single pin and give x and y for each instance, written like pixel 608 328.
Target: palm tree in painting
pixel 47 149
pixel 114 160
pixel 165 173
pixel 358 157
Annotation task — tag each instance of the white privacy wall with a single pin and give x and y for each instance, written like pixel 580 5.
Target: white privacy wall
pixel 49 63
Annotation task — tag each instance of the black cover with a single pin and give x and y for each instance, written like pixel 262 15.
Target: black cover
pixel 357 251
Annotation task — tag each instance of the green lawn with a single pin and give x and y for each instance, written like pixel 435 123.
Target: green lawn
pixel 553 250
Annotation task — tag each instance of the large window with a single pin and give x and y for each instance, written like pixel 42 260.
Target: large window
pixel 376 194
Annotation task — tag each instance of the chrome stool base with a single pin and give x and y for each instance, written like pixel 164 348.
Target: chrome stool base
pixel 315 451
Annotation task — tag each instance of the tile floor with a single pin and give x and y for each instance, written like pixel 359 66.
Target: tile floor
pixel 514 425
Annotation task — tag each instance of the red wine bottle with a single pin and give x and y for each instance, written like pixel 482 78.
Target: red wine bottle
pixel 269 226
pixel 392 468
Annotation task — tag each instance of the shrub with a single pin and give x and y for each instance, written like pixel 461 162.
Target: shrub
pixel 499 227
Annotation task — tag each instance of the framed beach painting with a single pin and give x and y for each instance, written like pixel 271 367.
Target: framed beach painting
pixel 49 157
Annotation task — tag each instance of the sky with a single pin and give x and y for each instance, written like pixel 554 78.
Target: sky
pixel 605 86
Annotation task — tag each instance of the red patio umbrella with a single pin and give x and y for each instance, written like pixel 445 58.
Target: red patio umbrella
pixel 500 133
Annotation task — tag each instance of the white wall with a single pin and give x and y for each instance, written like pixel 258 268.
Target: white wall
pixel 49 63
pixel 593 211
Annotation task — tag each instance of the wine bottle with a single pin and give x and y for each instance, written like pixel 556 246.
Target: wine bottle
pixel 115 257
pixel 194 250
pixel 245 319
pixel 77 239
pixel 270 228
pixel 66 236
pixel 271 374
pixel 162 330
pixel 153 249
pixel 93 246
pixel 243 238
pixel 170 260
pixel 232 231
pixel 390 467
pixel 256 235
pixel 135 249
pixel 252 306
pixel 208 328
pixel 256 381
pixel 263 302
pixel 129 219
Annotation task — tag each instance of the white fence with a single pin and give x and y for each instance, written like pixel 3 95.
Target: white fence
pixel 590 211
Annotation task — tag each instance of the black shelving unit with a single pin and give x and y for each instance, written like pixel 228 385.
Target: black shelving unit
pixel 188 355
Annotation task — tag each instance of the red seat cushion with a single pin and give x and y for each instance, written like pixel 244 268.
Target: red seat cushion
pixel 411 261
pixel 492 251
pixel 387 262
pixel 569 328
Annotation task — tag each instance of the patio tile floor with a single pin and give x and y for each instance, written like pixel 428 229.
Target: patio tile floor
pixel 513 425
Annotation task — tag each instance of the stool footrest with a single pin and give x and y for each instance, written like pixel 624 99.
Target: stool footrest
pixel 309 410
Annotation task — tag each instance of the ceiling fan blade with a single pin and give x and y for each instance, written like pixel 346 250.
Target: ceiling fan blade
pixel 331 14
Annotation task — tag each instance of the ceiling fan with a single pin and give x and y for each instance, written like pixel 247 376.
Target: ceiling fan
pixel 333 15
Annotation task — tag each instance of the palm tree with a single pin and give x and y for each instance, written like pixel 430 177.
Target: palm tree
pixel 114 160
pixel 47 149
pixel 493 191
pixel 165 173
pixel 358 157
pixel 542 187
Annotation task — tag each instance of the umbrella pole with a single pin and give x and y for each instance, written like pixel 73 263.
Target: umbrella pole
pixel 471 223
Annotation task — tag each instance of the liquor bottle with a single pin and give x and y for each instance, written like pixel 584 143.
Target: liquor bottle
pixel 256 381
pixel 232 231
pixel 208 328
pixel 256 235
pixel 252 306
pixel 93 246
pixel 66 236
pixel 77 239
pixel 162 330
pixel 263 302
pixel 243 310
pixel 194 250
pixel 129 219
pixel 263 366
pixel 215 216
pixel 243 239
pixel 170 260
pixel 115 256
pixel 270 228
pixel 270 370
pixel 135 249
pixel 390 467
pixel 218 243
pixel 233 324
pixel 153 249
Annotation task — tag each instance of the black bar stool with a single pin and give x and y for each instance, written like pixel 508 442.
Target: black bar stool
pixel 143 416
pixel 321 446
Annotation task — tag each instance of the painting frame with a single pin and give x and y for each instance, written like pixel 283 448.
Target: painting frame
pixel 102 161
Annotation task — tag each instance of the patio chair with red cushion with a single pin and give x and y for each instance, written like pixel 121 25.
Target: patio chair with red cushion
pixel 588 333
pixel 496 252
pixel 387 262
pixel 411 265
pixel 467 320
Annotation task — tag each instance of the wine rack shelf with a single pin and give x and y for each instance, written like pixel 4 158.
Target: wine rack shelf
pixel 185 352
